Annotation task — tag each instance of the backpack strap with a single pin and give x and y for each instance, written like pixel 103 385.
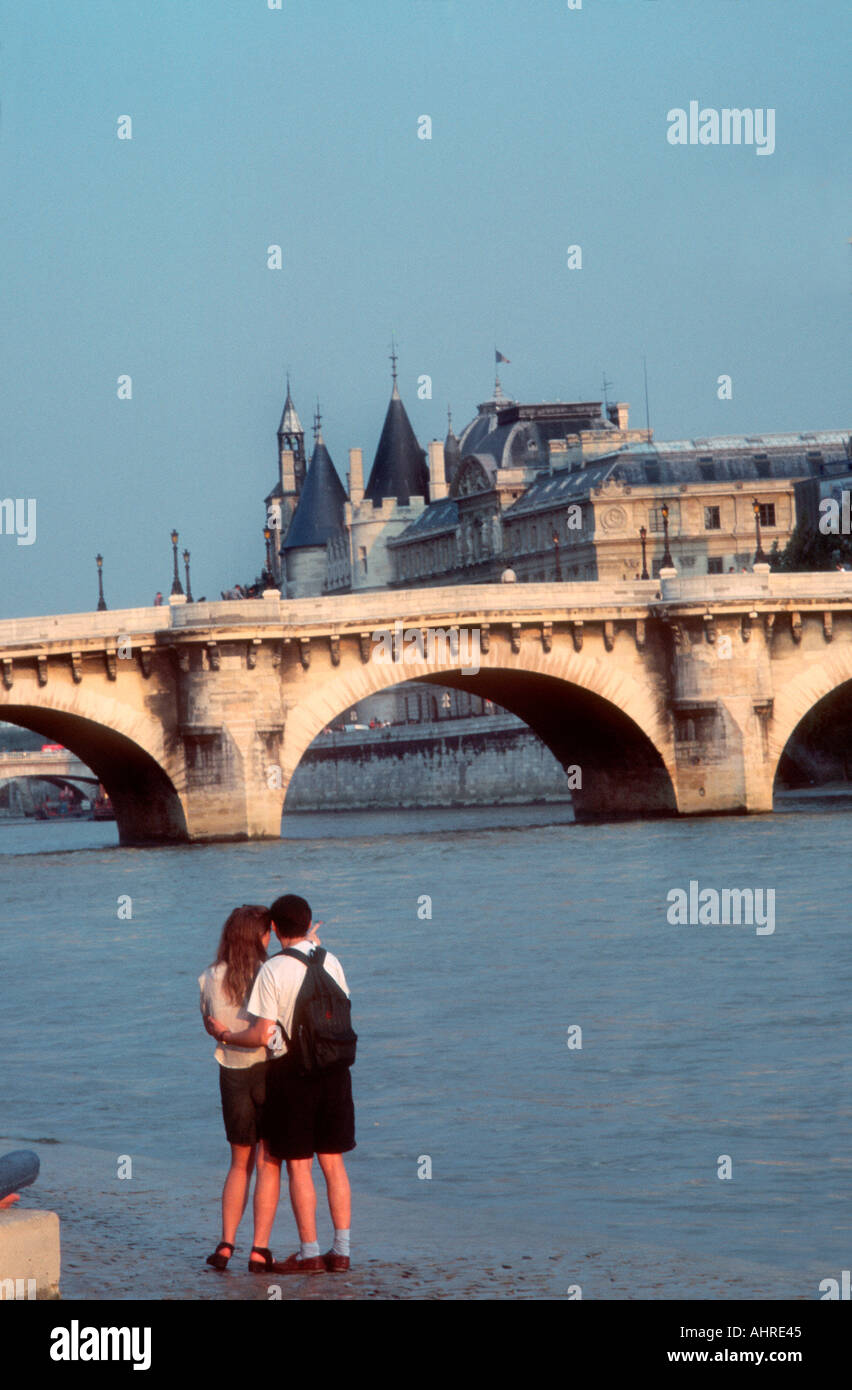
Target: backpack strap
pixel 297 955
pixel 316 957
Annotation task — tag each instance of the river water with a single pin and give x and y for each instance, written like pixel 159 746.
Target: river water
pixel 551 1166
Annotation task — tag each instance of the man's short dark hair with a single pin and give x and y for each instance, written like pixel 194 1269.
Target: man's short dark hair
pixel 291 915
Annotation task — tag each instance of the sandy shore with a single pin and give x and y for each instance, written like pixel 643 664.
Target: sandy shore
pixel 140 1239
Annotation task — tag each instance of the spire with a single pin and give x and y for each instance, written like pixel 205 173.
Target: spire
pixel 319 513
pixel 290 422
pixel 452 450
pixel 399 468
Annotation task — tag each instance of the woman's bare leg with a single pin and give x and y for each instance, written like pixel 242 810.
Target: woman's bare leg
pixel 235 1191
pixel 267 1188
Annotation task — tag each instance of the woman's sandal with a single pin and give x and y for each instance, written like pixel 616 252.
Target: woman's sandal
pixel 263 1266
pixel 220 1261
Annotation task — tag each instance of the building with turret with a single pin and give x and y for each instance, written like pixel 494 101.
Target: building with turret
pixel 552 490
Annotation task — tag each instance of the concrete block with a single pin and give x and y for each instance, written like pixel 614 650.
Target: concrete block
pixel 29 1254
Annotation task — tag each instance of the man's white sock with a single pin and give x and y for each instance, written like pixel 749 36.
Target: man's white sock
pixel 341 1242
pixel 309 1250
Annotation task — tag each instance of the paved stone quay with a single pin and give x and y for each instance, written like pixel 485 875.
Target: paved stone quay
pixel 674 695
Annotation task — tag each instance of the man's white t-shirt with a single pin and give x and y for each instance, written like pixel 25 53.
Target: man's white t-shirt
pixel 276 988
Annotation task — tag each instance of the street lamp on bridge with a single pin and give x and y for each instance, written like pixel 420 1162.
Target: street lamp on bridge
pixel 177 587
pixel 643 536
pixel 759 557
pixel 189 598
pixel 99 561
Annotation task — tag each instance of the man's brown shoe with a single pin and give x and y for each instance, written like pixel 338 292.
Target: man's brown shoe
pixel 336 1264
pixel 294 1265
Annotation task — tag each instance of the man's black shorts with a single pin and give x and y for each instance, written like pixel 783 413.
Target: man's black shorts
pixel 306 1115
pixel 243 1092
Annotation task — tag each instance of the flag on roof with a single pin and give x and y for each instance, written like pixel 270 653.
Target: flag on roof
pixel 498 357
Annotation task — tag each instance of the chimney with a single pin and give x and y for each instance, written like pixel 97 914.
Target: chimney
pixel 438 488
pixel 288 470
pixel 618 414
pixel 355 477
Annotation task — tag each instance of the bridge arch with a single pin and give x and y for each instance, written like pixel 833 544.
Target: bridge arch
pixel 125 749
pixel 795 700
pixel 585 710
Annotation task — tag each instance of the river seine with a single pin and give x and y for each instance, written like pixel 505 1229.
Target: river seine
pixel 696 1144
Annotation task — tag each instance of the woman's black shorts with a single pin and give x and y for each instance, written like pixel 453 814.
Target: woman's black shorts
pixel 306 1115
pixel 243 1092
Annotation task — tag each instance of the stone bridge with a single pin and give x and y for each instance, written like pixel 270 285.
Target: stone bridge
pixel 673 696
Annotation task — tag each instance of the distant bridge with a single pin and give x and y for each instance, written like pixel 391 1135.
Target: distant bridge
pixel 59 767
pixel 674 696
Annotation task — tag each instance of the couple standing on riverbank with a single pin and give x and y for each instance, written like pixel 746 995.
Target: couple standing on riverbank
pixel 284 1047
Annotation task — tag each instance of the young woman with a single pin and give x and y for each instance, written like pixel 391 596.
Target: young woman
pixel 225 987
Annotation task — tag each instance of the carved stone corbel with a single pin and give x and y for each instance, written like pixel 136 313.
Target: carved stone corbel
pixel 365 643
pixel 8 672
pixel 76 667
pixel 640 634
pixel 251 653
pixel 334 647
pixel 710 627
pixel 768 625
pixel 485 637
pixel 745 627
pixel 577 634
pixel 214 656
pixel 609 634
pixel 796 626
pixel 110 658
pixel 828 626
pixel 516 637
pixel 41 665
pixel 145 661
pixel 305 652
pixel 547 636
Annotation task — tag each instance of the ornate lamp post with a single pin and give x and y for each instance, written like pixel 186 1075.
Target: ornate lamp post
pixel 177 587
pixel 643 536
pixel 556 553
pixel 267 536
pixel 668 562
pixel 759 557
pixel 99 561
pixel 189 597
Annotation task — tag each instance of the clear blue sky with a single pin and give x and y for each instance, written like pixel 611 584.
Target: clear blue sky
pixel 299 127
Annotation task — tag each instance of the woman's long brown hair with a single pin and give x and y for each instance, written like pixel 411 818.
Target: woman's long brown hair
pixel 241 949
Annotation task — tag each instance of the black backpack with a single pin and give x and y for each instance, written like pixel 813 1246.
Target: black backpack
pixel 322 1019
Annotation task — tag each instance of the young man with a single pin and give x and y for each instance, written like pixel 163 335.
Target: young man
pixel 303 1115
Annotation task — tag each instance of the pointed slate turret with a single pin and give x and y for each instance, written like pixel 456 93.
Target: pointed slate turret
pixel 320 510
pixel 399 468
